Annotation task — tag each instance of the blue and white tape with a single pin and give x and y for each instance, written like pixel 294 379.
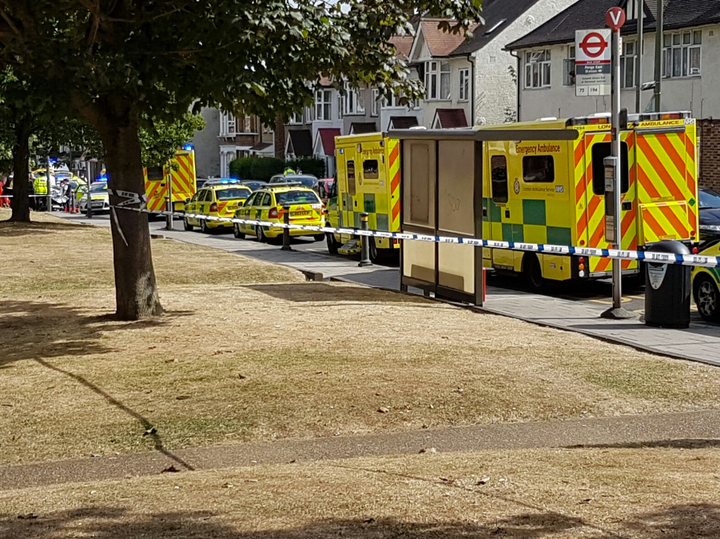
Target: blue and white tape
pixel 614 254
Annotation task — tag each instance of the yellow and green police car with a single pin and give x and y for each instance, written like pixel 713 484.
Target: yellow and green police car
pixel 271 203
pixel 217 198
pixel 706 286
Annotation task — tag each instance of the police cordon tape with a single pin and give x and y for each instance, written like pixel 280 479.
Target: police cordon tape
pixel 615 254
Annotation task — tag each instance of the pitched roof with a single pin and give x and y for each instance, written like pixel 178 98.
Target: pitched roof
pixel 403 122
pixel 360 128
pixel 300 141
pixel 327 139
pixel 403 45
pixel 439 42
pixel 497 15
pixel 450 118
pixel 588 14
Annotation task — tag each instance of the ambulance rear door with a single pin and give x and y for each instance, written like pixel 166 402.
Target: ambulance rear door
pixel 591 225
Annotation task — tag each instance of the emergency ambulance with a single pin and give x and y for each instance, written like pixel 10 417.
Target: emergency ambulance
pixel 177 177
pixel 368 180
pixel 553 192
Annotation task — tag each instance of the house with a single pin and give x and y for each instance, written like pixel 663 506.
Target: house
pixel 690 77
pixel 476 78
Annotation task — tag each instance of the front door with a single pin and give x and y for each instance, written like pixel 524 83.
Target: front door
pixel 499 213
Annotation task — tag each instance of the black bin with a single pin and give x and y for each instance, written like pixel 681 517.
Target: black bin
pixel 667 288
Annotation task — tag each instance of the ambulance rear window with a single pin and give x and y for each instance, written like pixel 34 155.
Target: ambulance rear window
pixel 600 151
pixel 232 194
pixel 155 174
pixel 539 168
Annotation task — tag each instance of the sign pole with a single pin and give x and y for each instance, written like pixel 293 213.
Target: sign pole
pixel 613 170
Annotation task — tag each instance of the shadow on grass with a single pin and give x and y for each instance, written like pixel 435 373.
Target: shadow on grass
pixel 335 294
pixel 40 331
pixel 675 522
pixel 12 229
pixel 686 443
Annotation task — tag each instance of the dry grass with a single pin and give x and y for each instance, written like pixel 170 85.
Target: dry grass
pixel 232 361
pixel 594 493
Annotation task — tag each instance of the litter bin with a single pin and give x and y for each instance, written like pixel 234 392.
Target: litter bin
pixel 667 288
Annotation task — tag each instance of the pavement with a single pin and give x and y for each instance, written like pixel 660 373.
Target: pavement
pixel 682 430
pixel 567 308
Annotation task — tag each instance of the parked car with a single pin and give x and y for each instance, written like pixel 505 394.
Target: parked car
pixel 217 198
pixel 709 214
pixel 254 184
pixel 706 286
pixel 99 198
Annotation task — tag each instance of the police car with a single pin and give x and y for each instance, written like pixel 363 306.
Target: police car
pixel 217 198
pixel 271 203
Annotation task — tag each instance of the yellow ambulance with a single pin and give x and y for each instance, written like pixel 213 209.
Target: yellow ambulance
pixel 179 176
pixel 368 180
pixel 553 192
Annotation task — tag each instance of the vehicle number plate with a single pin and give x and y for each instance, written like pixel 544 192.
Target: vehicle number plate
pixel 300 213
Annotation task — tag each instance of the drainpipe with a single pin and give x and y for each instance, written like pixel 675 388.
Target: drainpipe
pixel 517 75
pixel 472 89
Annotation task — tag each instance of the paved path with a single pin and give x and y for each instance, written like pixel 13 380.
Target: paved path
pixel 700 342
pixel 686 430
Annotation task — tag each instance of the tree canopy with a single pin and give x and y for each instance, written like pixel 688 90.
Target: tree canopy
pixel 116 63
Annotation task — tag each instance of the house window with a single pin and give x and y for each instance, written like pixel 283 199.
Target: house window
pixel 569 67
pixel 681 54
pixel 628 61
pixel 296 118
pixel 375 105
pixel 353 102
pixel 464 84
pixel 537 69
pixel 323 105
pixel 228 124
pixel 437 81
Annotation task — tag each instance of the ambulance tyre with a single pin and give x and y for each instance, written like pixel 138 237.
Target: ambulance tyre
pixel 332 245
pixel 533 273
pixel 375 253
pixel 319 237
pixel 236 232
pixel 204 227
pixel 187 226
pixel 707 298
pixel 260 234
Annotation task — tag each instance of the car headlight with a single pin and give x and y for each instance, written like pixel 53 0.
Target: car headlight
pixel 710 228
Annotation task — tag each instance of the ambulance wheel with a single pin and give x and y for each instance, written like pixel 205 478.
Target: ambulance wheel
pixel 236 232
pixel 375 255
pixel 533 273
pixel 260 234
pixel 204 227
pixel 187 226
pixel 319 237
pixel 707 298
pixel 332 245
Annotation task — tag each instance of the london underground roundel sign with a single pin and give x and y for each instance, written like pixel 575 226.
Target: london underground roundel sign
pixel 594 45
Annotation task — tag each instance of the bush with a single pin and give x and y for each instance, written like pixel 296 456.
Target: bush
pixel 264 168
pixel 241 168
pixel 308 165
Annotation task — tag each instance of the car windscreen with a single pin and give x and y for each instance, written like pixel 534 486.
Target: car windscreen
pixel 709 199
pixel 233 194
pixel 98 187
pixel 296 197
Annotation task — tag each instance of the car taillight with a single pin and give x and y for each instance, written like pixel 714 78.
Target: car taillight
pixel 214 207
pixel 273 213
pixel 581 263
pixel 695 250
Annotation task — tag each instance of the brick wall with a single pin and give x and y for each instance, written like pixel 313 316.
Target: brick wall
pixel 709 131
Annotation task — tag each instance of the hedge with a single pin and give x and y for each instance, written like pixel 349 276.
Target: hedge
pixel 264 168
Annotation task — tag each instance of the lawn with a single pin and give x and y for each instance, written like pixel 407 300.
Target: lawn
pixel 249 351
pixel 600 493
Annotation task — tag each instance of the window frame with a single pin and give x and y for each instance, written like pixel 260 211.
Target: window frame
pixel 375 102
pixel 464 84
pixel 537 64
pixel 569 75
pixel 228 124
pixel 352 102
pixel 624 60
pixel 376 174
pixel 676 49
pixel 323 105
pixel 351 177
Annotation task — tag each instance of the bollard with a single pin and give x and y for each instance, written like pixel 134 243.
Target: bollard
pixel 286 231
pixel 365 253
pixel 169 216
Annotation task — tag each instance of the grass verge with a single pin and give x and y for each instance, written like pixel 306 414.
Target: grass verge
pixel 249 351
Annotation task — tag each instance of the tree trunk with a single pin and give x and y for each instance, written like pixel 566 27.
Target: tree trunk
pixel 21 171
pixel 135 286
pixel 279 137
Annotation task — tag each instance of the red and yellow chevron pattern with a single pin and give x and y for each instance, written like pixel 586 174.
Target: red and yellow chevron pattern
pixel 394 176
pixel 182 172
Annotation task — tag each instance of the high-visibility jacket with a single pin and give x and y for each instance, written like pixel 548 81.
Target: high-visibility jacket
pixel 40 186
